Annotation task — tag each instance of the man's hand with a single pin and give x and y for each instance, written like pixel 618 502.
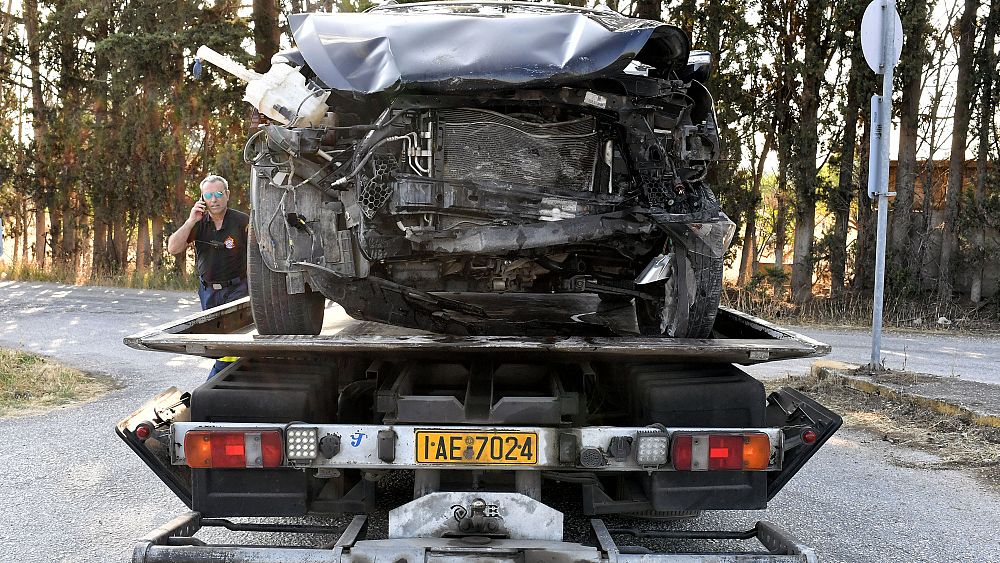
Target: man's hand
pixel 179 240
pixel 197 211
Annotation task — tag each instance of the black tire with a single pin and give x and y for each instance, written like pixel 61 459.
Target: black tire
pixel 274 310
pixel 703 275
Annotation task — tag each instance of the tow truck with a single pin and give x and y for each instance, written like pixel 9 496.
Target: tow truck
pixel 414 446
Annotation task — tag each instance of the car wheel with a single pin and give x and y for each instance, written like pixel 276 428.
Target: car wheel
pixel 275 311
pixel 687 301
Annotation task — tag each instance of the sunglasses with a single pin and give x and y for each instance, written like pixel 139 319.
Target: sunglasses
pixel 210 195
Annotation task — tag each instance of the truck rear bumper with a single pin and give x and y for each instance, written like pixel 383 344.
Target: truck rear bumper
pixel 174 542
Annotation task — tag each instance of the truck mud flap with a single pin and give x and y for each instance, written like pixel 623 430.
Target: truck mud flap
pixel 175 542
pixel 797 414
pixel 146 431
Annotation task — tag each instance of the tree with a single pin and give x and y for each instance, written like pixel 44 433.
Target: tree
pixel 987 73
pixel 817 36
pixel 38 124
pixel 266 33
pixel 960 131
pixel 909 71
pixel 649 10
pixel 864 254
pixel 841 197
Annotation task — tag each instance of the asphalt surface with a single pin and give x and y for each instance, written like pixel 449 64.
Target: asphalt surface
pixel 964 356
pixel 71 491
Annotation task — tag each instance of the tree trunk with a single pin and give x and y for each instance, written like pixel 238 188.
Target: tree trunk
pixel 987 110
pixel 650 10
pixel 16 233
pixel 40 232
pixel 911 72
pixel 749 250
pixel 142 245
pixel 844 193
pixel 925 255
pixel 748 257
pixel 956 165
pixel 864 257
pixel 24 232
pixel 808 137
pixel 38 121
pixel 781 226
pixel 98 259
pixel 55 234
pixel 182 206
pixel 119 245
pixel 69 243
pixel 266 33
pixel 157 248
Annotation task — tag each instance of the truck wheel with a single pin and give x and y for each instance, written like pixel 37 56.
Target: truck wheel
pixel 698 292
pixel 274 310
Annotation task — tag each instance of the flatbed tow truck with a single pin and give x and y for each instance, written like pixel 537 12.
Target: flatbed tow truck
pixel 654 429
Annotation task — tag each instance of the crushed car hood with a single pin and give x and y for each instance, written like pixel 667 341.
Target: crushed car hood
pixel 382 51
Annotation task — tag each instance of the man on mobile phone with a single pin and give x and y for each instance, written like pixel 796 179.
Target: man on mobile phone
pixel 220 238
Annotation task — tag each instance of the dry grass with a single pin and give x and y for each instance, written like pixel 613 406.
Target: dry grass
pixel 856 310
pixel 31 383
pixel 155 278
pixel 952 441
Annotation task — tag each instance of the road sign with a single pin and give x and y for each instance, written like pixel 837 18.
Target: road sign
pixel 872 34
pixel 882 43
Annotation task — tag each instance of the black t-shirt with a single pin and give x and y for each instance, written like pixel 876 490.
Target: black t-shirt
pixel 221 255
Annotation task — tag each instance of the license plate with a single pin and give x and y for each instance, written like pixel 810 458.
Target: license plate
pixel 479 448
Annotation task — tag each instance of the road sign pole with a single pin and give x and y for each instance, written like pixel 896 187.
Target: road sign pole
pixel 883 212
pixel 888 43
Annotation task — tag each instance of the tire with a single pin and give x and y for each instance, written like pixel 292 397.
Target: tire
pixel 275 311
pixel 703 278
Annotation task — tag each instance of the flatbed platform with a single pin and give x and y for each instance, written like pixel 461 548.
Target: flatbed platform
pixel 228 330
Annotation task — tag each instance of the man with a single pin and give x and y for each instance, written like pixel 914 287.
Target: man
pixel 220 238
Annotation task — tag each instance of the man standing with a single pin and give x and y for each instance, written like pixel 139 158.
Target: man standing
pixel 220 238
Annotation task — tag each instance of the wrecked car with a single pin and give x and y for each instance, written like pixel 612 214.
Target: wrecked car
pixel 422 156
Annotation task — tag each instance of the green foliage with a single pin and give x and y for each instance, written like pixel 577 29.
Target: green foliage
pixel 767 282
pixel 126 132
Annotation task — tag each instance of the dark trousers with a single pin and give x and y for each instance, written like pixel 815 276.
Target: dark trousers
pixel 211 297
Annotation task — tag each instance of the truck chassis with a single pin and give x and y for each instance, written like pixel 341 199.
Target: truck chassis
pixel 396 398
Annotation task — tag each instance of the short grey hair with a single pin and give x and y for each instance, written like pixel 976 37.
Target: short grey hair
pixel 213 178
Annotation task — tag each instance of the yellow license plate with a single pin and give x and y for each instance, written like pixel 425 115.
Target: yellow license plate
pixel 480 448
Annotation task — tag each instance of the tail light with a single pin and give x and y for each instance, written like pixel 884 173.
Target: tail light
pixel 214 449
pixel 749 451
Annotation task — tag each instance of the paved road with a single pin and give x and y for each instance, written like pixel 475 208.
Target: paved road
pixel 73 492
pixel 966 356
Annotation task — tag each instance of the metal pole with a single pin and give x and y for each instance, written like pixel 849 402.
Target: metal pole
pixel 880 190
pixel 883 211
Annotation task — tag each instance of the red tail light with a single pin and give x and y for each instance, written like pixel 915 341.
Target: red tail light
pixel 725 452
pixel 251 448
pixel 680 452
pixel 695 451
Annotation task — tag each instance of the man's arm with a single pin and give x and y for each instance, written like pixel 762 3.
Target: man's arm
pixel 180 239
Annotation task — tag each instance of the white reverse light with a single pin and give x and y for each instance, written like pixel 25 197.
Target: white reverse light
pixel 651 449
pixel 301 443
